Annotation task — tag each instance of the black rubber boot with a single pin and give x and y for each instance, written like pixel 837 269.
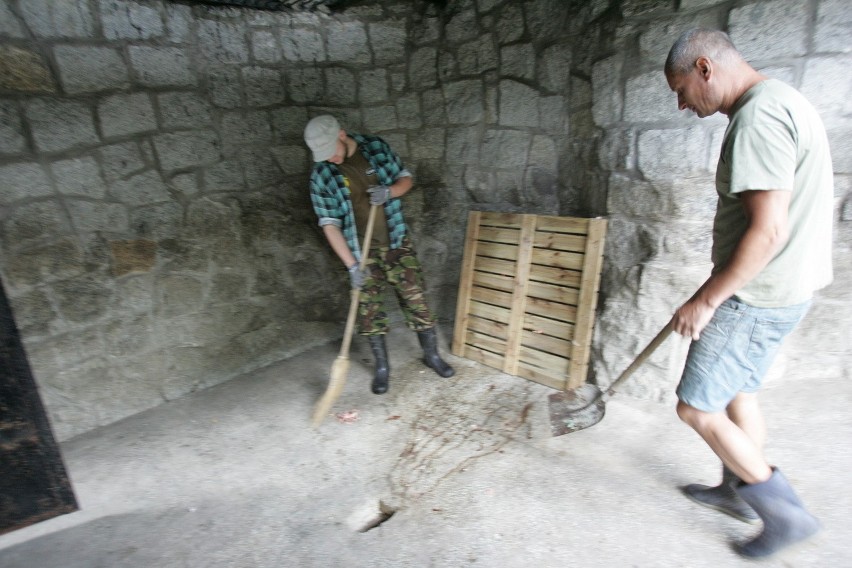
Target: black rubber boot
pixel 785 520
pixel 380 354
pixel 429 343
pixel 723 498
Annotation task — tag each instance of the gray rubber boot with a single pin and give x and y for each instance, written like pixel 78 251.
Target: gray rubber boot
pixel 429 343
pixel 785 520
pixel 380 354
pixel 723 498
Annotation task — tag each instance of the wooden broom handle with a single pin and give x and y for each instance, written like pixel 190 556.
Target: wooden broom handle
pixel 651 347
pixel 356 292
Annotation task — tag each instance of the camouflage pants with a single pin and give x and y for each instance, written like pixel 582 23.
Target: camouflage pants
pixel 400 270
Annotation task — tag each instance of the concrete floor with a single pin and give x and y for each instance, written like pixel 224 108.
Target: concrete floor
pixel 234 476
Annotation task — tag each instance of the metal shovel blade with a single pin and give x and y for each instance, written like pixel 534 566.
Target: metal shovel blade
pixel 575 409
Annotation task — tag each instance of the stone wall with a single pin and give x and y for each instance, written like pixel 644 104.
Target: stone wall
pixel 156 235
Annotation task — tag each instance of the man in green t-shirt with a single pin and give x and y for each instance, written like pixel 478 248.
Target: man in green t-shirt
pixel 771 251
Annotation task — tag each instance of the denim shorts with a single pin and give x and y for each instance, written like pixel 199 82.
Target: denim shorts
pixel 734 352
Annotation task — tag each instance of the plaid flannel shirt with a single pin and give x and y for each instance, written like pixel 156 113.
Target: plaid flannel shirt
pixel 330 192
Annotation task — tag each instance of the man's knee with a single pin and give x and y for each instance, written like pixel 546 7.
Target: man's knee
pixel 690 414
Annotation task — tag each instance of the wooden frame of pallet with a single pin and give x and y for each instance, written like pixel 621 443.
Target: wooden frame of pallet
pixel 528 293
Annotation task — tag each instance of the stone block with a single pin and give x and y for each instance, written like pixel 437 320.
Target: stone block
pixel 79 177
pixel 91 216
pixel 12 140
pixel 85 69
pixel 186 149
pixel 518 105
pixel 347 41
pixel 186 184
pixel 51 19
pixel 61 258
pixel 224 176
pixel 178 17
pixel 840 142
pixel 265 48
pixel 666 155
pixel 372 86
pixel 21 182
pixel 430 144
pixel 633 198
pixel 123 115
pixel 686 5
pixel 302 45
pixel 462 26
pixel 464 100
pixel 377 119
pixel 648 98
pixel 426 30
pixel 127 19
pixel 157 222
pixel 657 38
pixel 827 85
pixel 293 160
pixel 222 41
pixel 84 299
pixel 783 73
pixel 263 87
pixel 408 112
pixel 518 61
pixel 10 26
pixel 477 56
pixel 24 71
pixel 510 25
pixel 60 125
pixel 341 87
pixel 463 146
pixel 177 295
pixel 554 68
pixel 224 88
pixel 834 19
pixel 770 30
pixel 31 222
pixel 607 102
pixel 423 68
pixel 147 187
pixel 161 66
pixel 120 160
pixel 505 148
pixel 306 85
pixel 181 110
pixel 34 313
pixel 259 168
pixel 138 255
pixel 554 115
pixel 387 40
pixel 543 153
pixel 241 129
pixel 289 123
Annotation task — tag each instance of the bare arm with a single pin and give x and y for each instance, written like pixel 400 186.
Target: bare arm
pixel 767 232
pixel 401 186
pixel 335 238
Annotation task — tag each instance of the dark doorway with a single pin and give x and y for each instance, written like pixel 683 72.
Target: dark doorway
pixel 34 485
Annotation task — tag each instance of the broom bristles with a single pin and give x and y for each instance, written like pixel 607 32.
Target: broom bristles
pixel 339 370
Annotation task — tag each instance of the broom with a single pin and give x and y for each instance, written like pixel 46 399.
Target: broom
pixel 340 368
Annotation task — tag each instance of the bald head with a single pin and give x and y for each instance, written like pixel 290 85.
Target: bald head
pixel 697 42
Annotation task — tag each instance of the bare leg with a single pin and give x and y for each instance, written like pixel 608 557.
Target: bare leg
pixel 744 411
pixel 730 442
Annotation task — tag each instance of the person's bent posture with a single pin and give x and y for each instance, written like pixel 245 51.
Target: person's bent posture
pixel 351 174
pixel 771 251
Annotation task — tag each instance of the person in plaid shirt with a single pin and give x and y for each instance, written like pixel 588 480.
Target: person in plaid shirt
pixel 352 173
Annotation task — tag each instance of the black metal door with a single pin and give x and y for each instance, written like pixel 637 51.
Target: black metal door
pixel 33 483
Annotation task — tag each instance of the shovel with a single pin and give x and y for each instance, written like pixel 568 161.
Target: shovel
pixel 340 368
pixel 585 406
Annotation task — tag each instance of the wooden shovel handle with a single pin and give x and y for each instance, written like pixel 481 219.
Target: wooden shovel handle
pixel 356 292
pixel 649 349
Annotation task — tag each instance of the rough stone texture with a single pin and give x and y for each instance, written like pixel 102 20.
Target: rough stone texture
pixel 157 235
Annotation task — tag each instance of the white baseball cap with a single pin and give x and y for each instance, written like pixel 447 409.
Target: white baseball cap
pixel 321 135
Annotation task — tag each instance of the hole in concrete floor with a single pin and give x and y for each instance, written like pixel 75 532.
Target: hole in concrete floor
pixel 385 513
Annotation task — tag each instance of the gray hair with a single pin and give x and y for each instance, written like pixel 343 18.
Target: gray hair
pixel 697 42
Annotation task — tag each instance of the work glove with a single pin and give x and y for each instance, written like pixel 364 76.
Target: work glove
pixel 379 194
pixel 356 276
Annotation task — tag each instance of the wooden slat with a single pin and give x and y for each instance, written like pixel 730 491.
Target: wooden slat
pixel 494 219
pixel 543 376
pixel 481 356
pixel 500 235
pixel 556 276
pixel 488 327
pixel 555 328
pixel 542 342
pixel 525 251
pixel 558 259
pixel 489 296
pixel 463 301
pixel 486 342
pixel 496 266
pixel 487 311
pixel 574 225
pixel 496 281
pixel 561 312
pixel 552 293
pixel 497 250
pixel 560 241
pixel 544 360
pixel 588 302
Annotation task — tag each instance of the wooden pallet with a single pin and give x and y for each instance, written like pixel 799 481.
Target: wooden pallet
pixel 527 295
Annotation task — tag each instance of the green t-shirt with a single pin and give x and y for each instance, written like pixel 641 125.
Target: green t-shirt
pixel 776 141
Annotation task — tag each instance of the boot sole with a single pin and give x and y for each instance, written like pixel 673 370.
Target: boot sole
pixel 729 512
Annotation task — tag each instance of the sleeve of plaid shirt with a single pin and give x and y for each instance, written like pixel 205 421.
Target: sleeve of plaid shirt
pixel 325 196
